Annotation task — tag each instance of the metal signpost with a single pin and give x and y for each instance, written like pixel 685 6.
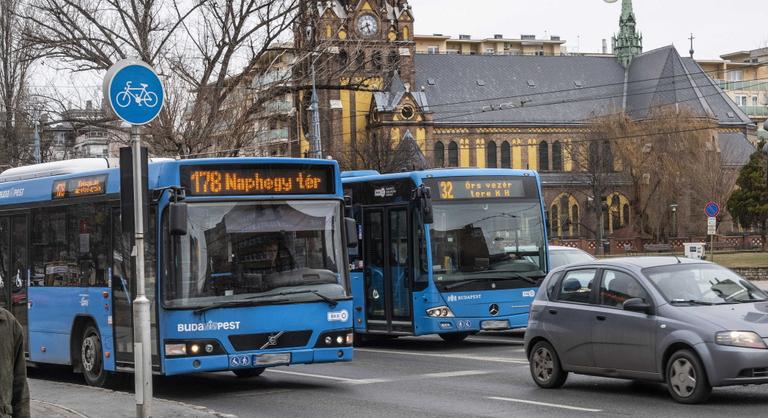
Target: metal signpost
pixel 135 94
pixel 711 209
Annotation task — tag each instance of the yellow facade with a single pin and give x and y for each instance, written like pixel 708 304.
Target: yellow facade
pixel 480 153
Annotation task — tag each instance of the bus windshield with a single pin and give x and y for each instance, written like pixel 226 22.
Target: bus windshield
pixel 491 239
pixel 265 252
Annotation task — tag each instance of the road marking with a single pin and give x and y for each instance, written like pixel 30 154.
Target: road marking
pixel 447 355
pixel 439 375
pixel 551 405
pixel 507 341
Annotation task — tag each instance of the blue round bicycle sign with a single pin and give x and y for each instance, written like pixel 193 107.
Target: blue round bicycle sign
pixel 134 91
pixel 712 209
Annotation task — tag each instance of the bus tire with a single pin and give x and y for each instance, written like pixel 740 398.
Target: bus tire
pixel 455 337
pixel 92 358
pixel 246 373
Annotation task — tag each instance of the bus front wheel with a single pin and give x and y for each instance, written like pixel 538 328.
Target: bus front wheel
pixel 92 358
pixel 456 337
pixel 246 373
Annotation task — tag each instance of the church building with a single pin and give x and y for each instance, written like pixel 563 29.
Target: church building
pixel 510 111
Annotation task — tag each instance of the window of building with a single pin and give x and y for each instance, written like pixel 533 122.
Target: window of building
pixel 735 75
pixel 343 58
pixel 439 154
pixel 453 154
pixel 575 219
pixel 394 60
pixel 506 161
pixel 557 156
pixel 754 100
pixel 490 154
pixel 376 60
pixel 490 51
pixel 543 156
pixel 360 60
pixel 741 100
pixel 433 49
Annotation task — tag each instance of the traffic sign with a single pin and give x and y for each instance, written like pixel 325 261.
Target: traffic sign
pixel 711 221
pixel 711 225
pixel 133 91
pixel 711 209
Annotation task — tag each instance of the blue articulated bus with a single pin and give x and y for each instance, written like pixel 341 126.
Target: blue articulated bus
pixel 245 264
pixel 449 252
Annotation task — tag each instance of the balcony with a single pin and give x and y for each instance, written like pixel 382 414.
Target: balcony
pixel 755 111
pixel 746 85
pixel 278 106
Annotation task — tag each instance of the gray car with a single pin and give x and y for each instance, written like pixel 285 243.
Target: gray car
pixel 689 323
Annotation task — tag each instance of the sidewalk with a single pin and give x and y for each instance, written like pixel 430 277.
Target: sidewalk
pixel 52 399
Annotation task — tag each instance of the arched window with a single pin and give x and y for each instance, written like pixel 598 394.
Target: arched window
pixel 625 214
pixel 490 155
pixel 614 208
pixel 439 154
pixel 543 156
pixel 343 58
pixel 453 154
pixel 506 161
pixel 554 218
pixel 607 157
pixel 594 156
pixel 376 60
pixel 394 60
pixel 575 219
pixel 360 60
pixel 557 156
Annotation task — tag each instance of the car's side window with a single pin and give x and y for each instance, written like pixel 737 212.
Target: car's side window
pixel 618 286
pixel 551 285
pixel 576 286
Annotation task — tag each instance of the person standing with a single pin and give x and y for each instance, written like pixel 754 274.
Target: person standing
pixel 14 392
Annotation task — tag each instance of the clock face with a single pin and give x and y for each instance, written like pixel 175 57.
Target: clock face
pixel 367 25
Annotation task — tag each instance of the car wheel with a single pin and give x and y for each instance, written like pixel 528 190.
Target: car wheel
pixel 686 379
pixel 454 337
pixel 246 373
pixel 545 366
pixel 91 359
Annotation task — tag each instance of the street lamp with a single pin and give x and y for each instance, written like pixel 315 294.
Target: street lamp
pixel 673 207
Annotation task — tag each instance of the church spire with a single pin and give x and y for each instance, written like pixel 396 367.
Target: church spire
pixel 629 42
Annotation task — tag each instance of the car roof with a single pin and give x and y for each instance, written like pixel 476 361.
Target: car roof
pixel 563 248
pixel 640 262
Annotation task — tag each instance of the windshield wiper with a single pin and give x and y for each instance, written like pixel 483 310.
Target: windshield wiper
pixel 692 302
pixel 235 303
pixel 331 302
pixel 492 275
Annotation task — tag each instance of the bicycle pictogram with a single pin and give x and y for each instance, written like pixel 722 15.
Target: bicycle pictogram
pixel 139 95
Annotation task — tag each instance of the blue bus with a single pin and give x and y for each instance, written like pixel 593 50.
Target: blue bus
pixel 245 265
pixel 448 252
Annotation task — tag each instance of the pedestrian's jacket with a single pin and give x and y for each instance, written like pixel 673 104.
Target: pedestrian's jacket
pixel 14 393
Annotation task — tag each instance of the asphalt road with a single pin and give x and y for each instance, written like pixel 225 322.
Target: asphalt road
pixel 424 377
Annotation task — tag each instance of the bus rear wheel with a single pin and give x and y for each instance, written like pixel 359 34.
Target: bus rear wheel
pixel 455 337
pixel 246 373
pixel 92 358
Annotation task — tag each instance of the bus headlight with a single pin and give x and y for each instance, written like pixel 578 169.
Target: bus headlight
pixel 339 338
pixel 440 312
pixel 193 348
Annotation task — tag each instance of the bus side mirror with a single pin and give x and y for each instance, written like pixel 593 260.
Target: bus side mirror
pixel 425 204
pixel 351 227
pixel 178 218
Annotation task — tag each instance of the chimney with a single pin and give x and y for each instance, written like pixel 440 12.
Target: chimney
pixel 605 46
pixel 464 37
pixel 498 36
pixel 89 105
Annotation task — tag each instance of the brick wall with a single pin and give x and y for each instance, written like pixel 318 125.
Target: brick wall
pixel 752 273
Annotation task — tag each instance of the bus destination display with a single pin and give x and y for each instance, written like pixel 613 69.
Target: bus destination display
pixel 79 187
pixel 476 188
pixel 228 181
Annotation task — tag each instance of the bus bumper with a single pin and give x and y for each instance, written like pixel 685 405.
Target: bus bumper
pixel 430 325
pixel 246 360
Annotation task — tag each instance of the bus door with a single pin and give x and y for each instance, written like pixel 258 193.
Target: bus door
pixel 387 276
pixel 14 268
pixel 122 292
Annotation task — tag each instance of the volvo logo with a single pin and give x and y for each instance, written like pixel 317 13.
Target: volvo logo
pixel 272 340
pixel 493 309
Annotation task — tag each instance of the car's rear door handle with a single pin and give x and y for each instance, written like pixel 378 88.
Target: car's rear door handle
pixel 600 318
pixel 553 311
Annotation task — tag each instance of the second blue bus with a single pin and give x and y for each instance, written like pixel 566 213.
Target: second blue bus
pixel 447 252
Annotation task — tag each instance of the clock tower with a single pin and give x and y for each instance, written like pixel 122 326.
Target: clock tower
pixel 363 43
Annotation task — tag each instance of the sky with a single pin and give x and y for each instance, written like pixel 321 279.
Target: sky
pixel 719 27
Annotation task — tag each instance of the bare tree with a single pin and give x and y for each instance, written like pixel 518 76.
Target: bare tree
pixel 16 57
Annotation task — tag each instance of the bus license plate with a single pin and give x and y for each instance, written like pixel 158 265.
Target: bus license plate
pixel 495 324
pixel 271 359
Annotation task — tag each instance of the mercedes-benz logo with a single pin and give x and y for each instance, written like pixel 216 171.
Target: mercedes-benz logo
pixel 493 309
pixel 272 340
